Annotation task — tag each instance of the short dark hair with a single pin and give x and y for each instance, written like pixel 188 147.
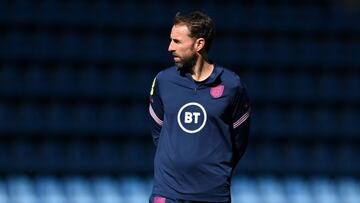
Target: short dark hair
pixel 200 26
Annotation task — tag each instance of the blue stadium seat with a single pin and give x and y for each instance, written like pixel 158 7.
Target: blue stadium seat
pixel 330 87
pixel 271 190
pixel 273 122
pixel 49 153
pixel 65 82
pixel 307 52
pixel 121 50
pixel 297 190
pixel 141 83
pixel 299 122
pixel 354 56
pixel 10 80
pixel 118 82
pixel 352 84
pixel 49 189
pixel 79 12
pixel 302 88
pixel 346 154
pixel 346 122
pixel 227 46
pixel 297 157
pixel 21 190
pixel 59 118
pixel 311 18
pixel 324 190
pixel 91 82
pixel 257 119
pixel 31 118
pixel 52 9
pixel 23 156
pixel 285 18
pixel 7 118
pixel 149 15
pixel 96 47
pixel 72 45
pixel 85 118
pixel 108 156
pixel 46 45
pixel 255 84
pixel 104 11
pixel 322 158
pixel 78 190
pixel 133 190
pixel 112 118
pixel 37 81
pixel 349 190
pixel 277 85
pixel 78 157
pixel 244 189
pixel 230 15
pixel 106 190
pixel 19 44
pixel 25 11
pixel 125 12
pixel 332 53
pixel 281 52
pixel 3 192
pixel 324 123
pixel 154 50
pixel 263 18
pixel 249 161
pixel 269 157
pixel 135 116
pixel 257 51
pixel 129 154
pixel 4 13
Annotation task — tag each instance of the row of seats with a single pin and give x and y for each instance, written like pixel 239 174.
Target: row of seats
pixel 103 83
pixel 306 158
pixel 106 189
pixel 30 117
pixel 234 14
pixel 81 118
pixel 281 50
pixel 91 155
pixel 65 81
pixel 302 122
pixel 81 156
pixel 302 87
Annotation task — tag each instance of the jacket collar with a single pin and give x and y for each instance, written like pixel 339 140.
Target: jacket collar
pixel 214 77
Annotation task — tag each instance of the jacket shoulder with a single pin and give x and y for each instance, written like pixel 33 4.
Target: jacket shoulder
pixel 231 79
pixel 166 74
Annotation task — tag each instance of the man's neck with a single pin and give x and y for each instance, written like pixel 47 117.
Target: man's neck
pixel 202 70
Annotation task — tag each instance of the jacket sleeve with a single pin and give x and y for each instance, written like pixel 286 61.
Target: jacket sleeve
pixel 241 111
pixel 156 112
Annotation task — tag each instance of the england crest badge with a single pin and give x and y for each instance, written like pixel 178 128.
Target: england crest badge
pixel 217 91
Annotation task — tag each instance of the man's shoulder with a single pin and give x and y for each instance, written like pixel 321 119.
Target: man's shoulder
pixel 231 78
pixel 167 73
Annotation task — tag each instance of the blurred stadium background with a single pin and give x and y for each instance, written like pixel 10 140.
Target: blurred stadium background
pixel 75 77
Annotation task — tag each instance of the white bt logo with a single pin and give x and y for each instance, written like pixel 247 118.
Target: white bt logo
pixel 190 119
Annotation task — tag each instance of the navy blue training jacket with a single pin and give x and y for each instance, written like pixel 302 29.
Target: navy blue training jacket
pixel 200 130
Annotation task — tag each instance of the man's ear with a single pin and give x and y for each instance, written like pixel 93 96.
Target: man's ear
pixel 199 44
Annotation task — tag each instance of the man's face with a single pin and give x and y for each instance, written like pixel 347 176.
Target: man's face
pixel 182 47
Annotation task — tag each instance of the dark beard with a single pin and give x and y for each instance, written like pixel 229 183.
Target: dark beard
pixel 187 63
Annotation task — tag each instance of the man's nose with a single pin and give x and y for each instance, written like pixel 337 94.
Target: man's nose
pixel 171 47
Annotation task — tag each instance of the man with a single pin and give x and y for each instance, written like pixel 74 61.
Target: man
pixel 200 117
